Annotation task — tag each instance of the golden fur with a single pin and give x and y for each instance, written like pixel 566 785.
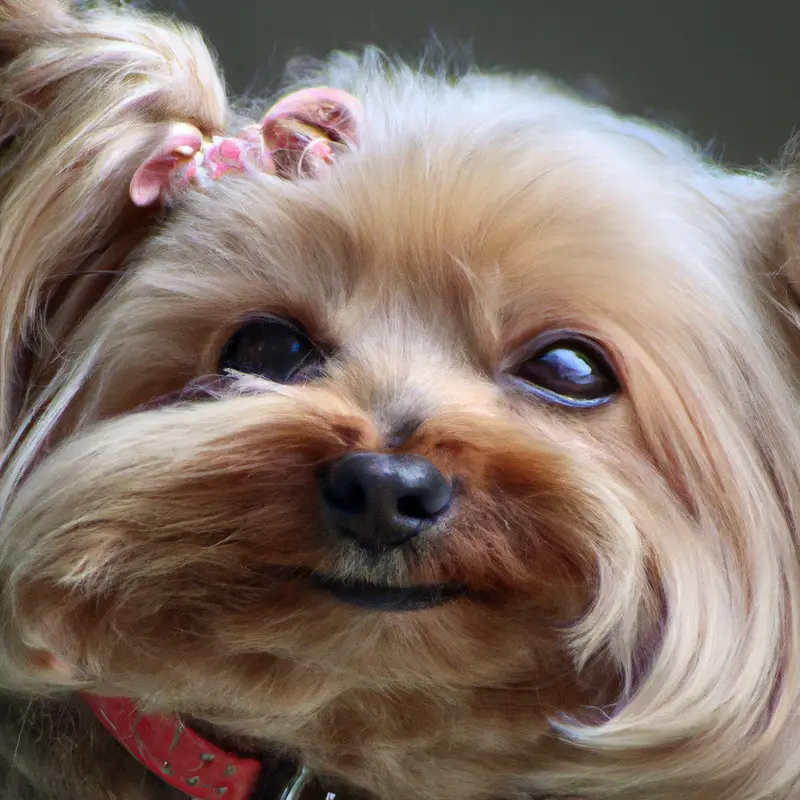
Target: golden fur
pixel 634 626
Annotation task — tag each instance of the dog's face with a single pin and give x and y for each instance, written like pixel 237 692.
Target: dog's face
pixel 478 445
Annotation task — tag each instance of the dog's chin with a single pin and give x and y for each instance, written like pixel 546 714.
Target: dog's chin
pixel 378 597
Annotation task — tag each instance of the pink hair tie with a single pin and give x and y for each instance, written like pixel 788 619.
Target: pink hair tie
pixel 299 137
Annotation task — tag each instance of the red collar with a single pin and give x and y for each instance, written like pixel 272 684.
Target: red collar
pixel 187 761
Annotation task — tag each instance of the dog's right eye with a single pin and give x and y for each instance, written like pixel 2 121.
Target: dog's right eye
pixel 272 348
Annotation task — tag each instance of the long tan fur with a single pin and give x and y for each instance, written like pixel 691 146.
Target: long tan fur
pixel 633 629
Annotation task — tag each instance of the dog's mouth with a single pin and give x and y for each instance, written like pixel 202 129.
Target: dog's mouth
pixel 389 598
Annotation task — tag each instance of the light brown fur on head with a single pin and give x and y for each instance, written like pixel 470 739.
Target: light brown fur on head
pixel 632 622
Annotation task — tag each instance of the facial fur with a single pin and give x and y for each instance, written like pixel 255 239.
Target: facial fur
pixel 630 622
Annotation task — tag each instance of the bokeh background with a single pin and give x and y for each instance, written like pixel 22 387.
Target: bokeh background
pixel 726 72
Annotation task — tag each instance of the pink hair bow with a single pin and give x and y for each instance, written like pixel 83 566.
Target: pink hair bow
pixel 300 136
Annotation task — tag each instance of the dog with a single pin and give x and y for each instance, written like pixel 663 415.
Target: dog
pixel 421 438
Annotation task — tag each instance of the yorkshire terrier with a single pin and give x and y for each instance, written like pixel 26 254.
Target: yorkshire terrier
pixel 425 439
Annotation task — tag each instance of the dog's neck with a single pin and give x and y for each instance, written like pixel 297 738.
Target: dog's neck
pixel 188 761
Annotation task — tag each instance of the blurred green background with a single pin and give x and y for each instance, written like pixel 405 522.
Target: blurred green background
pixel 726 73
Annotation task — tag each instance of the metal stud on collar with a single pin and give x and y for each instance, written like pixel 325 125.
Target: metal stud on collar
pixel 296 785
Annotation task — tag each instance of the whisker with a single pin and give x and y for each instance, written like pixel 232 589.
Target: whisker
pixel 80 273
pixel 23 723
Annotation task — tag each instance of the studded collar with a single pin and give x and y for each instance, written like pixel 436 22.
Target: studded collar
pixel 197 767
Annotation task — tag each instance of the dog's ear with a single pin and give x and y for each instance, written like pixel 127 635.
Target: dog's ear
pixel 768 227
pixel 762 214
pixel 784 256
pixel 86 97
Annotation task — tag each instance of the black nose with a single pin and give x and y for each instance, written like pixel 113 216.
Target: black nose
pixel 383 500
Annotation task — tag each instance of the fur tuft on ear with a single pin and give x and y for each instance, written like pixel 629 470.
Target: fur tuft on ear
pixel 85 96
pixel 788 274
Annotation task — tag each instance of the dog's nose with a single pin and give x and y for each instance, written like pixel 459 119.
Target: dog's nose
pixel 383 500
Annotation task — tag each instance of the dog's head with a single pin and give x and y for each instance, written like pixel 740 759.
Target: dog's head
pixel 483 443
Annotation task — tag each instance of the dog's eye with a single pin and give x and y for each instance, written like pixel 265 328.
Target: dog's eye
pixel 273 348
pixel 568 370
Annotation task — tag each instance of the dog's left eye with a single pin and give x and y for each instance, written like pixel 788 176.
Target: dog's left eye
pixel 569 371
pixel 273 348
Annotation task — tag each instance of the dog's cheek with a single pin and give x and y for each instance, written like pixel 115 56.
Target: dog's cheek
pixel 525 524
pixel 142 603
pixel 151 545
pixel 555 531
